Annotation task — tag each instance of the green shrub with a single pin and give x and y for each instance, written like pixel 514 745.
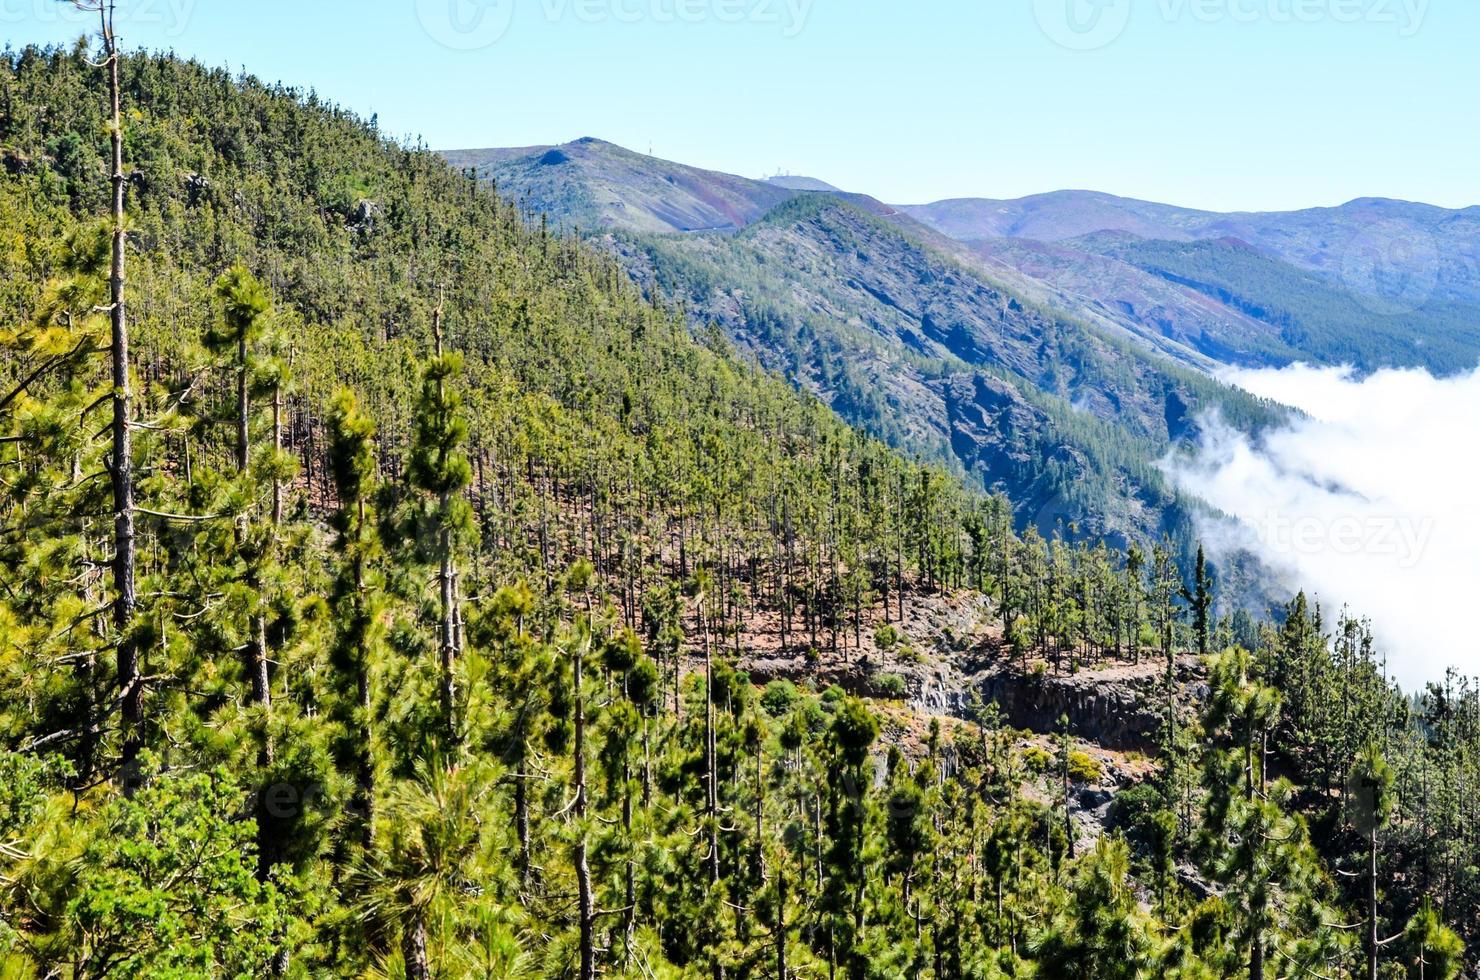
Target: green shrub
pixel 1038 759
pixel 1019 636
pixel 779 697
pixel 890 686
pixel 1083 768
pixel 1137 812
pixel 1131 806
pixel 813 716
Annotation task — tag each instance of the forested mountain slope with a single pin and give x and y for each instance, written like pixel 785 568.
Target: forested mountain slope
pixel 569 422
pixel 910 344
pixel 419 658
pixel 903 333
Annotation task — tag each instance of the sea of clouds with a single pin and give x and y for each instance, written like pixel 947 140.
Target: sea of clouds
pixel 1372 501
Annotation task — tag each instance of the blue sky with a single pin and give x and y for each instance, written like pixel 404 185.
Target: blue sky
pixel 1225 104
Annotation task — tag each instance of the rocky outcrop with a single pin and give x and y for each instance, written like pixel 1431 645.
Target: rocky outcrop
pixel 1118 707
pixel 14 162
pixel 949 652
pixel 198 189
pixel 364 217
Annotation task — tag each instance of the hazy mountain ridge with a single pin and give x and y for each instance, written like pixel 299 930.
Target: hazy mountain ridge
pixel 1055 216
pixel 1342 243
pixel 1375 282
pixel 1297 314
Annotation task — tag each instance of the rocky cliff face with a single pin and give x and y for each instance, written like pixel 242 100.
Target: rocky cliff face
pixel 1117 707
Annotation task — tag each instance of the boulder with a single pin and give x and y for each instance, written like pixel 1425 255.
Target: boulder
pixel 364 216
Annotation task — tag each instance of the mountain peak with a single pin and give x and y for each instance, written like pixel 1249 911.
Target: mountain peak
pixel 799 183
pixel 591 183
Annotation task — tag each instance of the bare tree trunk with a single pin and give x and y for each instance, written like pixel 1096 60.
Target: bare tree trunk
pixel 277 447
pixel 457 616
pixel 629 915
pixel 781 921
pixel 647 767
pixel 414 948
pixel 257 668
pixel 521 824
pixel 586 900
pixel 899 553
pixel 121 464
pixel 711 777
pixel 447 646
pixel 760 805
pixel 817 835
pixel 446 576
pixel 243 404
pixel 1249 769
pixel 365 777
pixel 1372 902
pixel 587 912
pixel 256 649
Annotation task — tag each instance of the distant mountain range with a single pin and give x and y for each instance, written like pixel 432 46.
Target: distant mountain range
pixel 1054 347
pixel 1374 282
pixel 1342 243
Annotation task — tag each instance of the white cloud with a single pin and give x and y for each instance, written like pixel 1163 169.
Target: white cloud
pixel 1372 502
